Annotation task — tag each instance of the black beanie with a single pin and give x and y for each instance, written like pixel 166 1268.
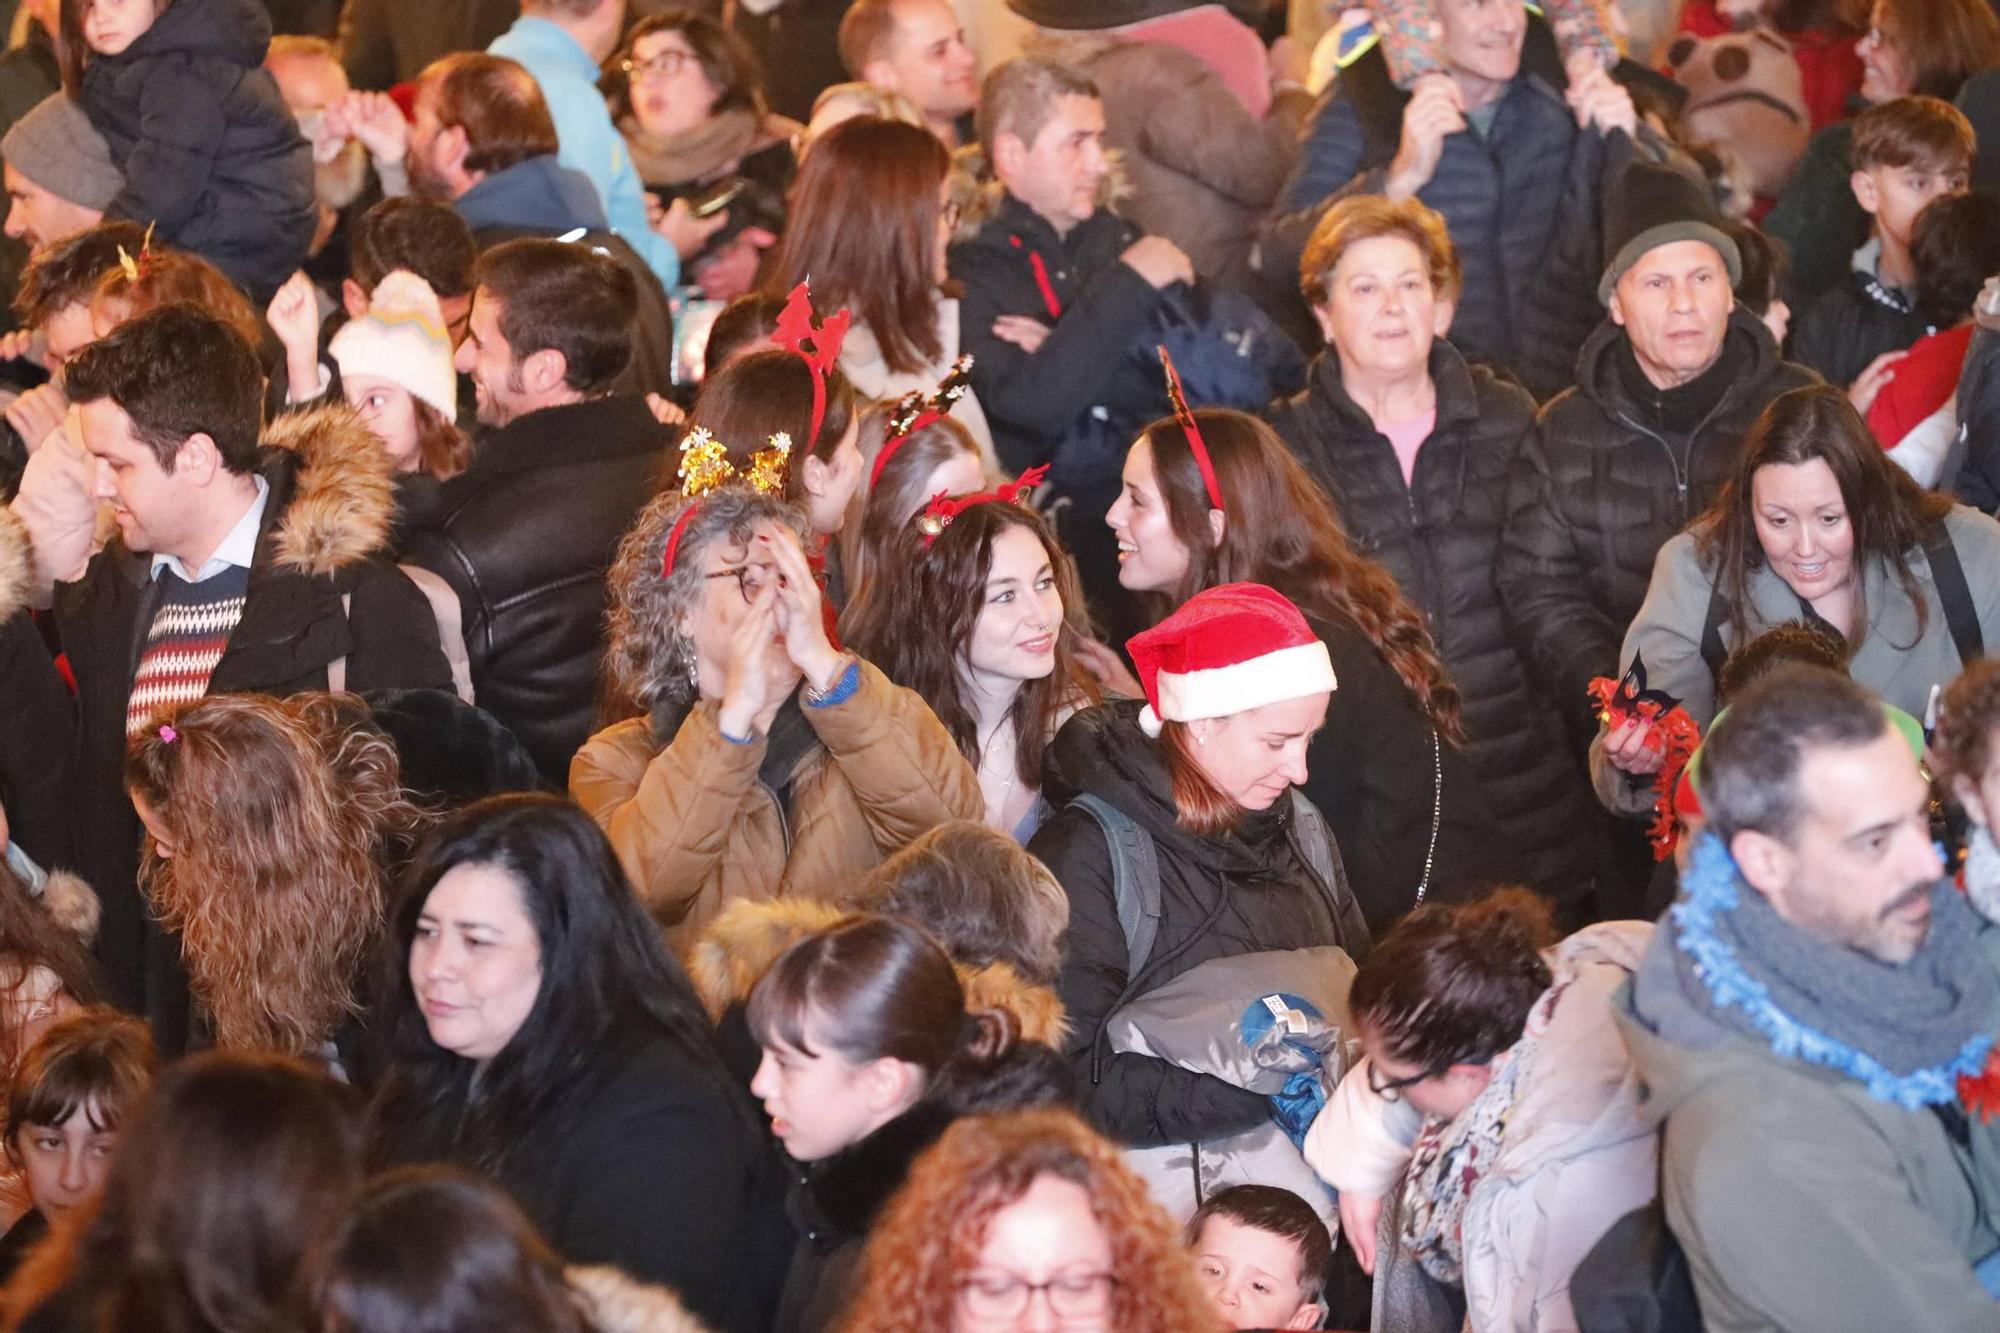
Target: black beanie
pixel 1651 206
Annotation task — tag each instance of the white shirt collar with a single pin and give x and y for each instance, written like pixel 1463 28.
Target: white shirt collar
pixel 238 549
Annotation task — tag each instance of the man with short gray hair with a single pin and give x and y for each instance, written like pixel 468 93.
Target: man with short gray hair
pixel 1814 1024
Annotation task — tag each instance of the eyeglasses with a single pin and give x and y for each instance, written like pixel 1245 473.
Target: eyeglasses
pixel 1392 1091
pixel 1003 1296
pixel 662 66
pixel 750 579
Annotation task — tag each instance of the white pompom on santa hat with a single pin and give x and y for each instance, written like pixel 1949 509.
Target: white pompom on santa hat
pixel 1227 650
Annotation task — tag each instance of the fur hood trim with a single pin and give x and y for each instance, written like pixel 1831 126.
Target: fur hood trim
pixel 617 1303
pixel 16 562
pixel 344 501
pixel 743 941
pixel 72 904
pixel 740 945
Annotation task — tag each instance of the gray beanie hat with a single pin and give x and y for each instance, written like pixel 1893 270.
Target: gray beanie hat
pixel 57 148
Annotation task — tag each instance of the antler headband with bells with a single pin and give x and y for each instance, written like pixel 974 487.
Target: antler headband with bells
pixel 705 467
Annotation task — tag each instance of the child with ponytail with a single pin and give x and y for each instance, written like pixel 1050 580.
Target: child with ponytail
pixel 1498 1089
pixel 869 1054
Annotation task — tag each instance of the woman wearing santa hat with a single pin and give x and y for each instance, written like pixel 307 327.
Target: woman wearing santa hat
pixel 1215 496
pixel 1202 771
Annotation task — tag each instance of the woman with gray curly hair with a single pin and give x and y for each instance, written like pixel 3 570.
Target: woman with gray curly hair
pixel 770 763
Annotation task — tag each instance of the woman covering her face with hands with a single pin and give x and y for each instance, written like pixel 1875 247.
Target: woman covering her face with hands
pixel 769 763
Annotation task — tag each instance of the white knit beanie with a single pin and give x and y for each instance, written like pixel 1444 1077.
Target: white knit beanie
pixel 402 339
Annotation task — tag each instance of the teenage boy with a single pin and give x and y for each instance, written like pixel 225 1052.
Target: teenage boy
pixel 1906 153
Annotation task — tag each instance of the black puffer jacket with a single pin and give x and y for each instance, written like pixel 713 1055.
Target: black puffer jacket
pixel 209 150
pixel 1219 897
pixel 1504 196
pixel 1439 535
pixel 1593 495
pixel 525 536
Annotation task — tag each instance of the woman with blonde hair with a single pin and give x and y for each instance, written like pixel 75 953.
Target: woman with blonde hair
pixel 275 826
pixel 1026 1217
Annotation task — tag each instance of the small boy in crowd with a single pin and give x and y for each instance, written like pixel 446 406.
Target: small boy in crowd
pixel 1906 153
pixel 1262 1254
pixel 71 1091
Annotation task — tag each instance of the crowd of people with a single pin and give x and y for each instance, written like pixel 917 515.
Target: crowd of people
pixel 802 665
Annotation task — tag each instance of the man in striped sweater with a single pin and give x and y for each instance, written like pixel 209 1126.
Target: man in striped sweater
pixel 241 565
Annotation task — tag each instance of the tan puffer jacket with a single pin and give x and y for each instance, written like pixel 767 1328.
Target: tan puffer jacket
pixel 695 829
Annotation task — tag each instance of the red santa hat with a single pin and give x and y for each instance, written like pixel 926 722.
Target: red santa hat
pixel 1228 649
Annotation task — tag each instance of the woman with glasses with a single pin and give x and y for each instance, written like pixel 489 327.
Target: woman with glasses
pixel 1026 1221
pixel 768 762
pixel 871 217
pixel 1496 1105
pixel 686 94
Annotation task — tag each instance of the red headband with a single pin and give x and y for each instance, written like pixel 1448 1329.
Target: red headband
pixel 1185 417
pixel 914 412
pixel 674 539
pixel 795 329
pixel 942 509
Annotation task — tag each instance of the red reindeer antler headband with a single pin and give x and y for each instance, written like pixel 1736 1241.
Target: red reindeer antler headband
pixel 1196 445
pixel 943 508
pixel 795 329
pixel 915 411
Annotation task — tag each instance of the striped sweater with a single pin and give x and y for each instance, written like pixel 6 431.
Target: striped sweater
pixel 187 639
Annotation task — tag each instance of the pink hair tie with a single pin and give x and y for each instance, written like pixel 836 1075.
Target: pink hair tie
pixel 168 735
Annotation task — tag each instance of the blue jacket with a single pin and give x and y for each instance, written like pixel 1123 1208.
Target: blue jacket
pixel 590 143
pixel 538 195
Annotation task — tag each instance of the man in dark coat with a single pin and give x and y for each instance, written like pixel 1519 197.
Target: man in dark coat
pixel 561 469
pixel 1666 391
pixel 1494 147
pixel 1057 289
pixel 239 568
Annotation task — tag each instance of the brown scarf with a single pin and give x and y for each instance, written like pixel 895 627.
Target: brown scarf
pixel 710 149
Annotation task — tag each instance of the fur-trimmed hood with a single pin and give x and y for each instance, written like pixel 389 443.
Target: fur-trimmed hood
pixel 15 563
pixel 740 945
pixel 621 1304
pixel 342 501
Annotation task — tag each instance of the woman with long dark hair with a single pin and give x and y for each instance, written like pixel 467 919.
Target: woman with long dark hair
pixel 540 1033
pixel 871 217
pixel 1386 770
pixel 1817 525
pixel 979 619
pixel 220 1185
pixel 869 1053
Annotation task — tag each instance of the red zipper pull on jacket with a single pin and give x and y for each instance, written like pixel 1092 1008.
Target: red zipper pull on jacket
pixel 1048 289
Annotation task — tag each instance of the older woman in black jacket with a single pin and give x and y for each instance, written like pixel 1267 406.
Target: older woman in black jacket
pixel 541 1033
pixel 1412 444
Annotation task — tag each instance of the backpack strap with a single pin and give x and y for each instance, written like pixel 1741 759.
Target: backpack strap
pixel 1713 654
pixel 1313 841
pixel 1135 879
pixel 1961 615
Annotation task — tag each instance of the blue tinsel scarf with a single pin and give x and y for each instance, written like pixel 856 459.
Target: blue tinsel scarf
pixel 1907 1033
